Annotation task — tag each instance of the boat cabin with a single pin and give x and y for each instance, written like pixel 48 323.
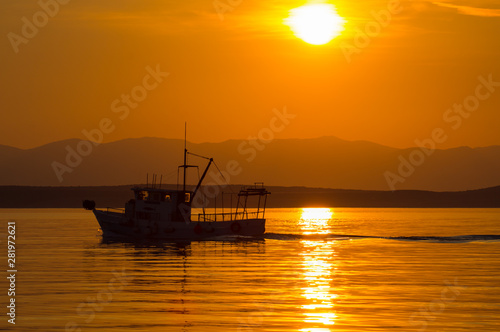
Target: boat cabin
pixel 159 204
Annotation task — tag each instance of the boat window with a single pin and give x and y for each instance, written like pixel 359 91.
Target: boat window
pixel 142 195
pixel 187 197
pixel 166 197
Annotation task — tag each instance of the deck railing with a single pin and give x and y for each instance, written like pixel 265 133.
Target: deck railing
pixel 210 217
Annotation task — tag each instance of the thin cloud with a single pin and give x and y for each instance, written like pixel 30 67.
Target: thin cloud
pixel 470 10
pixel 157 16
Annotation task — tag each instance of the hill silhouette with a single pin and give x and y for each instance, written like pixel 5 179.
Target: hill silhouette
pixel 326 162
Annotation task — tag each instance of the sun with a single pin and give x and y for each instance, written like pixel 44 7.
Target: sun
pixel 315 24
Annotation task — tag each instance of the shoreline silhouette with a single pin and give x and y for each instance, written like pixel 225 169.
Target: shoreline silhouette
pixel 282 197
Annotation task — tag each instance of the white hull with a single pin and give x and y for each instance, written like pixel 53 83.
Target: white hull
pixel 116 225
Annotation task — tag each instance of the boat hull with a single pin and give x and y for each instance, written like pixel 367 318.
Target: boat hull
pixel 116 225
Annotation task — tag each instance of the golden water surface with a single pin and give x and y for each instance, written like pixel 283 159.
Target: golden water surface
pixel 315 270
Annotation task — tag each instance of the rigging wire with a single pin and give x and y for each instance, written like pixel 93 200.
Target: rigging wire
pixel 229 185
pixel 197 155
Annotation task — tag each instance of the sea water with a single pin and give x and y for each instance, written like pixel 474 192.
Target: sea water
pixel 328 269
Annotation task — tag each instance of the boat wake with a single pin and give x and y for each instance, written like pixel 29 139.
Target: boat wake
pixel 317 237
pixel 336 237
pixel 449 239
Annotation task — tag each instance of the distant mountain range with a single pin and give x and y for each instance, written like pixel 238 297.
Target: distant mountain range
pixel 326 162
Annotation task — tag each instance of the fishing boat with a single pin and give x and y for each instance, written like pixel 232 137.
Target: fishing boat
pixel 158 213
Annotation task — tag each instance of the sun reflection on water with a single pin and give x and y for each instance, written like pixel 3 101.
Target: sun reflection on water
pixel 317 265
pixel 315 220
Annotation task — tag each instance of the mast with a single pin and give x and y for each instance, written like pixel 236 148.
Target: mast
pixel 185 165
pixel 185 157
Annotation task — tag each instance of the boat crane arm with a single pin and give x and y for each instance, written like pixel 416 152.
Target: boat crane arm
pixel 211 160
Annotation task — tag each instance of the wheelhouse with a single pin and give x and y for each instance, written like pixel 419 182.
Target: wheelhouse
pixel 159 204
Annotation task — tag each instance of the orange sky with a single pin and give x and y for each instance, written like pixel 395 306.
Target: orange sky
pixel 226 76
